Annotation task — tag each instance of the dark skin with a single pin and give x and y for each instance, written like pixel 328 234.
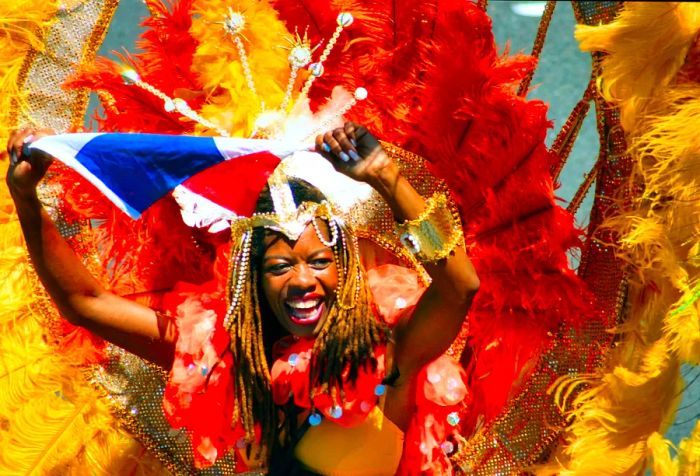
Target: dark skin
pixel 80 298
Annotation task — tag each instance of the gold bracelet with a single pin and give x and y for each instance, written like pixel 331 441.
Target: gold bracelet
pixel 434 234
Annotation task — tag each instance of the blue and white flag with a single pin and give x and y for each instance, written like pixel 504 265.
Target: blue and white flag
pixel 135 170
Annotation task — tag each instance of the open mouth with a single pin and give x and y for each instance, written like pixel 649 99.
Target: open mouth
pixel 304 312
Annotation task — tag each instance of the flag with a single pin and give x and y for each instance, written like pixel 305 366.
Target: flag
pixel 135 170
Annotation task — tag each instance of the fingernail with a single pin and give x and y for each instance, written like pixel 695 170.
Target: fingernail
pixel 344 157
pixel 355 156
pixel 13 158
pixel 326 147
pixel 25 150
pixel 28 139
pixel 353 142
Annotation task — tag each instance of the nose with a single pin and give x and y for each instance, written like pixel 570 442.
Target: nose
pixel 303 278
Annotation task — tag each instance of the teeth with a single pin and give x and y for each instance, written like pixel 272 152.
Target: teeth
pixel 303 304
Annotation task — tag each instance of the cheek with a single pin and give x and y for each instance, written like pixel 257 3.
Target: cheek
pixel 329 278
pixel 271 289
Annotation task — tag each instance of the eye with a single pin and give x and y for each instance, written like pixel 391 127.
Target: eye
pixel 320 263
pixel 277 268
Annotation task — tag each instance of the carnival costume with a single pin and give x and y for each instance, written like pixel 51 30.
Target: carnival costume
pixel 437 88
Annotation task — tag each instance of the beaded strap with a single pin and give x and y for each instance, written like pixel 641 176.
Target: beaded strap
pixel 434 234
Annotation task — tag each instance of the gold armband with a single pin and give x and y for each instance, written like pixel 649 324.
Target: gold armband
pixel 434 234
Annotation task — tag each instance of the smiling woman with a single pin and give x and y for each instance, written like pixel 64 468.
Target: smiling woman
pixel 300 343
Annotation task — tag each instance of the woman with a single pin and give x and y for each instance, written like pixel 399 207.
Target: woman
pixel 310 280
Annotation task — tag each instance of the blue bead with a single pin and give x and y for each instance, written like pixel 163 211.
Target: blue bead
pixel 336 412
pixel 204 370
pixel 293 359
pixel 380 390
pixel 314 419
pixel 453 418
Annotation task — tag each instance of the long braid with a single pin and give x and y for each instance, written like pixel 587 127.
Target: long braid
pixel 350 333
pixel 252 376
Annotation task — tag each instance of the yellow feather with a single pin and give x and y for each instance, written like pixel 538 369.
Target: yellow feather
pixel 618 421
pixel 662 464
pixel 24 22
pixel 689 453
pixel 647 45
pixel 218 63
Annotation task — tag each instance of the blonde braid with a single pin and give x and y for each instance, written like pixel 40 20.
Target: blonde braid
pixel 350 333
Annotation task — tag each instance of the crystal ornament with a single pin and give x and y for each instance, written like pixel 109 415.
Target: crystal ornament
pixel 345 19
pixel 234 23
pixel 130 76
pixel 316 69
pixel 453 418
pixel 300 50
pixel 361 94
pixel 336 412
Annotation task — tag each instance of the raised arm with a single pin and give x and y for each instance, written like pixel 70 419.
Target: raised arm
pixel 440 313
pixel 78 296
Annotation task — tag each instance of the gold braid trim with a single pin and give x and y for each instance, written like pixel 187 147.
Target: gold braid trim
pixel 434 234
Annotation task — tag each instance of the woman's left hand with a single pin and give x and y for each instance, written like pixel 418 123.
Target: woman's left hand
pixel 356 153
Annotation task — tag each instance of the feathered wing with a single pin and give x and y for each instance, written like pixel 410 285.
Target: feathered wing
pixel 633 398
pixel 51 417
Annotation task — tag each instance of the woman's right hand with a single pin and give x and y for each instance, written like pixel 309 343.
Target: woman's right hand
pixel 26 168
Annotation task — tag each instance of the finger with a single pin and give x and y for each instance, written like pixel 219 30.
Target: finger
pixel 350 130
pixel 319 143
pixel 16 145
pixel 18 141
pixel 344 140
pixel 336 149
pixel 323 148
pixel 13 138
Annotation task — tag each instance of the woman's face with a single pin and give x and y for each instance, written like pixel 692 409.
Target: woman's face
pixel 299 280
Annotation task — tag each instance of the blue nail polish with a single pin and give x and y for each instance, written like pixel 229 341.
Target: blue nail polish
pixel 353 142
pixel 344 157
pixel 326 147
pixel 354 155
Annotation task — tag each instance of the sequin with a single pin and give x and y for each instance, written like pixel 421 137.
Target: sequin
pixel 453 418
pixel 314 419
pixel 293 359
pixel 336 412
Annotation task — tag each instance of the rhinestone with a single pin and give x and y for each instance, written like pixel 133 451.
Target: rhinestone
pixel 345 19
pixel 453 418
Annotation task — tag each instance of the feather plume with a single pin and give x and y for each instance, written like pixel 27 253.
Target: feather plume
pixel 24 23
pixel 653 38
pixel 649 74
